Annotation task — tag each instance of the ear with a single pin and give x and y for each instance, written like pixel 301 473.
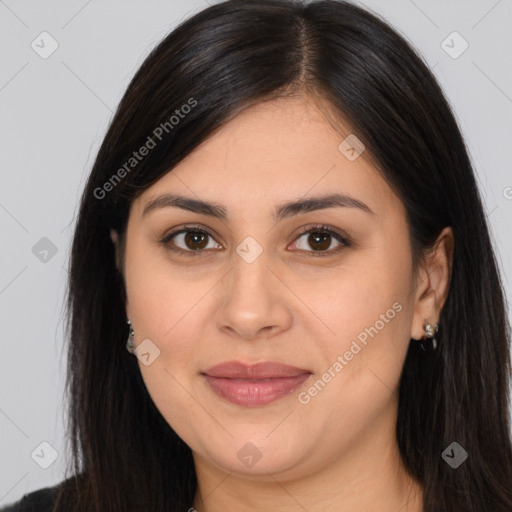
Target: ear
pixel 432 283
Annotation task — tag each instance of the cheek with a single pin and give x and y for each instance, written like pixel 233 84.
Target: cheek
pixel 358 295
pixel 156 294
pixel 366 310
pixel 164 306
pixel 171 315
pixel 362 360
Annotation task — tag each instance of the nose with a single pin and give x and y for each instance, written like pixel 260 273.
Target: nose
pixel 253 302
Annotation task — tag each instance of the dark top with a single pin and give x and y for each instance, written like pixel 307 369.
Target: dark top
pixel 41 500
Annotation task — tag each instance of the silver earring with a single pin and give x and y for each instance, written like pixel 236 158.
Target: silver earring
pixel 130 345
pixel 429 343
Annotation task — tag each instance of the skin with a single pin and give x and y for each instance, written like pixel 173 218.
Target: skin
pixel 337 452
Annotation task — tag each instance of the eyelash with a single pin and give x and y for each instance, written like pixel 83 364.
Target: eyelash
pixel 314 229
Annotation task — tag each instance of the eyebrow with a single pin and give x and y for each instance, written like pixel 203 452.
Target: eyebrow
pixel 282 211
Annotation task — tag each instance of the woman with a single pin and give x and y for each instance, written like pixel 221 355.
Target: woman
pixel 284 221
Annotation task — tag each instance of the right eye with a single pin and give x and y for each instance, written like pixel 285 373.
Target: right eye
pixel 192 239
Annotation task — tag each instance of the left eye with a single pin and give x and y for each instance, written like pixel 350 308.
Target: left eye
pixel 321 239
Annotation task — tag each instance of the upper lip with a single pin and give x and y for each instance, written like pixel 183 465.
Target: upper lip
pixel 265 370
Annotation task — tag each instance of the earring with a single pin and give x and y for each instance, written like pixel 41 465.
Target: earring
pixel 428 343
pixel 130 345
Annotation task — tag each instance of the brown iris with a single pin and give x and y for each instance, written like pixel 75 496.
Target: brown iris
pixel 317 237
pixel 195 238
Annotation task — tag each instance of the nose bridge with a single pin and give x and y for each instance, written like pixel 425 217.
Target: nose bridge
pixel 251 300
pixel 249 279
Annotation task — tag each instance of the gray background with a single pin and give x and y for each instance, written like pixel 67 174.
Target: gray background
pixel 53 114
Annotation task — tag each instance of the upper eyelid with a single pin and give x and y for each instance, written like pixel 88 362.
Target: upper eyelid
pixel 336 232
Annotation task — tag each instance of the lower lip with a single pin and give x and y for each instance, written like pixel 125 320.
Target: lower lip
pixel 252 393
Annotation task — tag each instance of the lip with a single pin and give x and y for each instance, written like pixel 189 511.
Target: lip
pixel 265 370
pixel 254 385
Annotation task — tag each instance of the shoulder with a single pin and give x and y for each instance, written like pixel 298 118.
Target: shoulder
pixel 41 500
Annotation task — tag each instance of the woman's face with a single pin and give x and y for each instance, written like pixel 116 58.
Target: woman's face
pixel 252 287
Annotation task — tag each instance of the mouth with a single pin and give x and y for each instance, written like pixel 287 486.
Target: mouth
pixel 254 385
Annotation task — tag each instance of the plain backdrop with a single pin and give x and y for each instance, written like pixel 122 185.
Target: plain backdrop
pixel 54 111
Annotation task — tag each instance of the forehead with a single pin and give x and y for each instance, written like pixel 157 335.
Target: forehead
pixel 272 152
